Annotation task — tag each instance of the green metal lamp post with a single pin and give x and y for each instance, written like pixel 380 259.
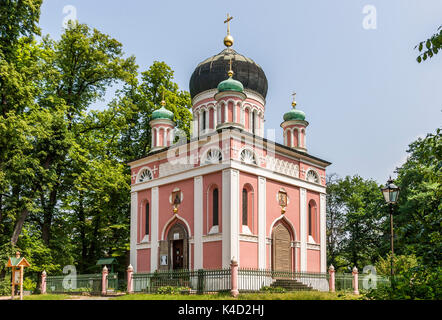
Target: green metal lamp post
pixel 391 195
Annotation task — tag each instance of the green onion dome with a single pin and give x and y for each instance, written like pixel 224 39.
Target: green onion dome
pixel 230 84
pixel 162 113
pixel 294 114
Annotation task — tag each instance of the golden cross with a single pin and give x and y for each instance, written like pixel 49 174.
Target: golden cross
pixel 228 23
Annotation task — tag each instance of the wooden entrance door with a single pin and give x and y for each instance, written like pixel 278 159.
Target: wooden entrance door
pixel 178 254
pixel 282 251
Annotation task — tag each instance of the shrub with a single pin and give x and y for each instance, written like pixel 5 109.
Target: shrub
pixel 29 285
pixel 5 287
pixel 172 290
pixel 416 283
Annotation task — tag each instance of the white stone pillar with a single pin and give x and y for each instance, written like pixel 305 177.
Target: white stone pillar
pixel 165 137
pixel 230 216
pixel 226 112
pixel 322 231
pixel 133 228
pixel 215 117
pixel 198 222
pixel 303 228
pixel 154 229
pixel 207 119
pixel 262 222
pixel 234 107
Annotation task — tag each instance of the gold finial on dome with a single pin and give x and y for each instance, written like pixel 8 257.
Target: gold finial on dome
pixel 228 40
pixel 163 102
pixel 294 101
pixel 230 73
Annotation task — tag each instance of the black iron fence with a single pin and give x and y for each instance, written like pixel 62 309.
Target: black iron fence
pixel 80 283
pixel 190 281
pixel 249 280
pixel 252 280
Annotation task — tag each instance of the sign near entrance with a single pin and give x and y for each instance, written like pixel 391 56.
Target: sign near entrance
pixel 163 260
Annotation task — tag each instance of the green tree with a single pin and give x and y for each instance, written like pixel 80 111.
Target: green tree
pixel 355 214
pixel 144 98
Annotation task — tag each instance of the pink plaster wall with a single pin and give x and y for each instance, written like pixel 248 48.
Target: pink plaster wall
pixel 313 261
pixel 248 253
pixel 212 255
pixel 143 260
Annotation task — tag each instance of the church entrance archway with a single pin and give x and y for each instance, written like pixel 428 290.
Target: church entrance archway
pixel 281 248
pixel 178 247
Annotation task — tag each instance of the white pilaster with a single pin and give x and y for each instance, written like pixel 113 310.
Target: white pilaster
pixel 262 222
pixel 198 222
pixel 226 112
pixel 303 228
pixel 154 229
pixel 322 232
pixel 230 216
pixel 215 116
pixel 133 229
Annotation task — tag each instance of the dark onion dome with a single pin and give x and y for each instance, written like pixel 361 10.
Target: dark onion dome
pixel 209 73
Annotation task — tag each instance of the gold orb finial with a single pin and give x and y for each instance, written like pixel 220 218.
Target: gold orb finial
pixel 163 102
pixel 294 101
pixel 228 39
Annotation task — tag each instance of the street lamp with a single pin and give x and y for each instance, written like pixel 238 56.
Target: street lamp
pixel 391 195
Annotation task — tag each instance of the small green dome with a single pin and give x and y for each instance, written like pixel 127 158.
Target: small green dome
pixel 162 113
pixel 230 85
pixel 294 114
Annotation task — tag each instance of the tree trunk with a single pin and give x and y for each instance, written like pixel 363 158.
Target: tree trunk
pixel 82 222
pixel 19 226
pixel 48 215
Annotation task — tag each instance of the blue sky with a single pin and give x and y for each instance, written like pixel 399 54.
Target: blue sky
pixel 363 92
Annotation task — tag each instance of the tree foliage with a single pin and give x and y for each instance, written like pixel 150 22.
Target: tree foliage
pixel 64 179
pixel 430 47
pixel 355 218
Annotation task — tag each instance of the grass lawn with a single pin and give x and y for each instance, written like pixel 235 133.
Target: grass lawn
pixel 295 295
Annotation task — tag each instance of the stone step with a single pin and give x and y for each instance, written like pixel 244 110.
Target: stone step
pixel 291 285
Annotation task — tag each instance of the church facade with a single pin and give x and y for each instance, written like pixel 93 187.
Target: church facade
pixel 230 192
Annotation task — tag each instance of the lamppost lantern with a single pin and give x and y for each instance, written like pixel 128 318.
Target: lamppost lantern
pixel 390 192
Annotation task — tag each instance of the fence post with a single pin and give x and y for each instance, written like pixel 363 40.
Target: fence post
pixel 43 282
pixel 130 287
pixel 200 285
pixel 331 280
pixel 234 278
pixel 104 281
pixel 355 281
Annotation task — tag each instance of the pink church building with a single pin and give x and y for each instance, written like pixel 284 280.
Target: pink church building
pixel 230 192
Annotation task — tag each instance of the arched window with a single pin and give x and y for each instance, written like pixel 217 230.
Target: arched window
pixel 145 175
pixel 204 120
pixel 215 208
pixel 245 207
pixel 247 156
pixel 312 176
pixel 253 122
pixel 312 219
pixel 213 155
pixel 146 216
